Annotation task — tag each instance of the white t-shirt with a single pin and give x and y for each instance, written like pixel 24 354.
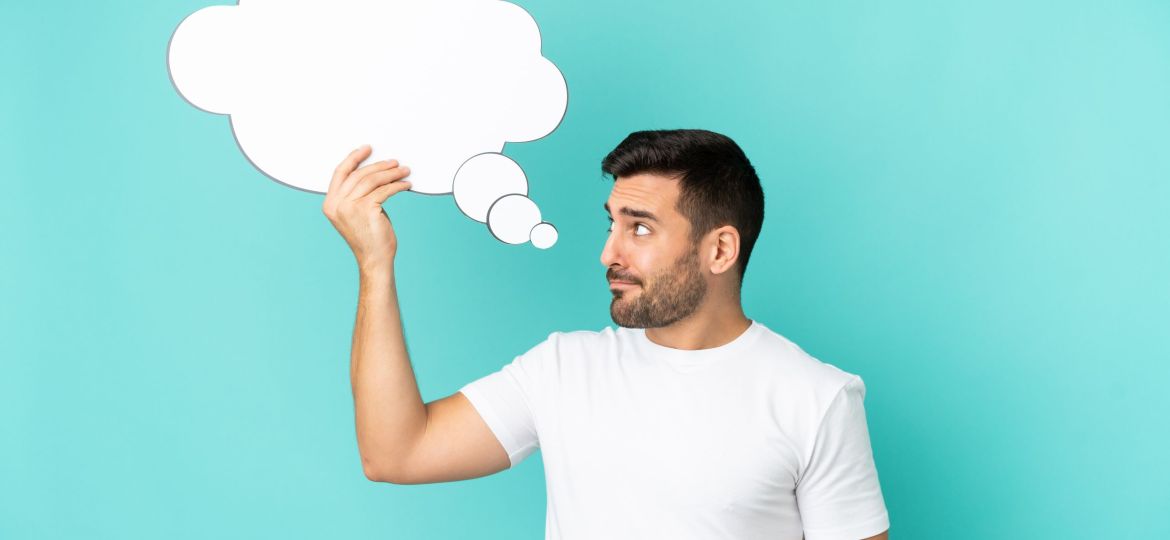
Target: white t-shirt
pixel 751 439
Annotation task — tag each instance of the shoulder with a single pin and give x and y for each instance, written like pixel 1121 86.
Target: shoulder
pixel 560 346
pixel 803 389
pixel 795 361
pixel 802 375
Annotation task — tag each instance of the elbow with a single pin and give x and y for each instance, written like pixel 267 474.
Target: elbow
pixel 381 464
pixel 372 474
pixel 386 475
pixel 376 473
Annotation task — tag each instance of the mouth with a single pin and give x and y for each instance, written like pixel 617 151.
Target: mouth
pixel 621 284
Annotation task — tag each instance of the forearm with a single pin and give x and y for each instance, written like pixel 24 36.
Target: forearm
pixel 389 412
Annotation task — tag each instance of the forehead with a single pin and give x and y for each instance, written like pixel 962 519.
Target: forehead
pixel 650 192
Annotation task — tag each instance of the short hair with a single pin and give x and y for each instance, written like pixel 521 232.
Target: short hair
pixel 718 185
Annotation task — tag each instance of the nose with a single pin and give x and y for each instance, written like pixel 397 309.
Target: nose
pixel 610 253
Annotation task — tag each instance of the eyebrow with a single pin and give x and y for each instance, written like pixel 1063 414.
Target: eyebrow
pixel 633 212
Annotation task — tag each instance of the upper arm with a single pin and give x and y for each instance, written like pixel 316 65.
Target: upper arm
pixel 487 426
pixel 456 445
pixel 838 493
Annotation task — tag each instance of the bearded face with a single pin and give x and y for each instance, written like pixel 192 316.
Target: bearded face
pixel 661 299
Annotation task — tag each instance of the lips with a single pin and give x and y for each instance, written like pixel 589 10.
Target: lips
pixel 621 284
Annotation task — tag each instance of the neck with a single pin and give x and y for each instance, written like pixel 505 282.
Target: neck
pixel 709 326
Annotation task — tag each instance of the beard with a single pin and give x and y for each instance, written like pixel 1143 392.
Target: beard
pixel 666 297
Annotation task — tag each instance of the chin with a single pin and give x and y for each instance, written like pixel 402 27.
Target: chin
pixel 624 325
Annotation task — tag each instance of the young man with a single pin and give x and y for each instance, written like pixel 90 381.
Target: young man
pixel 688 421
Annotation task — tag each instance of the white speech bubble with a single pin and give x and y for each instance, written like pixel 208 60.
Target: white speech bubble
pixel 436 84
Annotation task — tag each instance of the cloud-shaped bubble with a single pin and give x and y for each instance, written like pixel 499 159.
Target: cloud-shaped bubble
pixel 440 85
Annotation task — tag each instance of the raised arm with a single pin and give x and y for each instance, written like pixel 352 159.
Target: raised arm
pixel 401 440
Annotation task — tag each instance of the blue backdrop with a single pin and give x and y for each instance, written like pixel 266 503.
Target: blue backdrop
pixel 968 204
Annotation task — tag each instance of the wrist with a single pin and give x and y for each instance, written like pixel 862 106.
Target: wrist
pixel 380 268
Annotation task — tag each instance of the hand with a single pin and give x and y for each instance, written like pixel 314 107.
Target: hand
pixel 354 205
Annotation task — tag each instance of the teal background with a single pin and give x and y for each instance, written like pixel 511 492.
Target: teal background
pixel 968 204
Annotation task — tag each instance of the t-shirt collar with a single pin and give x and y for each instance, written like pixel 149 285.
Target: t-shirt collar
pixel 691 358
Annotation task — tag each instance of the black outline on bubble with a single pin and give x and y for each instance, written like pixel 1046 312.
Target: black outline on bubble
pixel 502 197
pixel 465 162
pixel 232 127
pixel 554 228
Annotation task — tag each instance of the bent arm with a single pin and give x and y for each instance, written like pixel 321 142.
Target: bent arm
pixel 388 409
pixel 401 439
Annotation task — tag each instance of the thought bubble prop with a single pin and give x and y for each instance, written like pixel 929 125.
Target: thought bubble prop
pixel 440 85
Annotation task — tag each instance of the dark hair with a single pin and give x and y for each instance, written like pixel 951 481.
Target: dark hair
pixel 718 185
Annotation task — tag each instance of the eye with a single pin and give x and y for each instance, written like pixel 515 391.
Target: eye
pixel 610 228
pixel 644 227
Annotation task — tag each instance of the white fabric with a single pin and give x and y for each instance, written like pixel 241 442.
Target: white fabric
pixel 751 439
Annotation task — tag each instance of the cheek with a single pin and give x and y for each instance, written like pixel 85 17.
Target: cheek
pixel 648 257
pixel 645 264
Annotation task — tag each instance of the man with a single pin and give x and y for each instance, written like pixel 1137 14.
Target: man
pixel 688 421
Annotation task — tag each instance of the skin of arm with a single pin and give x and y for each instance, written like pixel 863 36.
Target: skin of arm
pixel 388 410
pixel 401 439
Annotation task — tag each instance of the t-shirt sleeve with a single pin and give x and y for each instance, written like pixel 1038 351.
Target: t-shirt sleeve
pixel 838 493
pixel 508 400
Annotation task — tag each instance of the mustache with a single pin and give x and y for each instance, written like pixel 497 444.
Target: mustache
pixel 610 275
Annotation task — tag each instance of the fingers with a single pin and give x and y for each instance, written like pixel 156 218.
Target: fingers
pixel 355 177
pixel 348 164
pixel 377 179
pixel 384 192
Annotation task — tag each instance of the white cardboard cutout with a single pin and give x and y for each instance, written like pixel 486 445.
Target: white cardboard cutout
pixel 440 85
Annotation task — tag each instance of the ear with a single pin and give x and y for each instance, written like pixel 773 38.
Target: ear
pixel 724 249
